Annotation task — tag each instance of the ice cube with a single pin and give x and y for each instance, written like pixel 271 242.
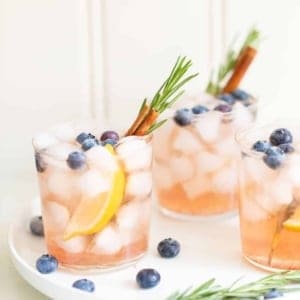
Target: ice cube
pixel 208 126
pixel 107 241
pixel 162 140
pixel 75 245
pixel 133 220
pixel 252 211
pixel 242 116
pixel 225 180
pixel 100 158
pixel 65 132
pixel 62 183
pixel 227 147
pixel 139 184
pixel 196 186
pixel 44 140
pixel 207 162
pixel 162 176
pixel 292 169
pixel 56 216
pixel 281 191
pixel 136 160
pixel 186 142
pixel 182 168
pixel 61 150
pixel 93 182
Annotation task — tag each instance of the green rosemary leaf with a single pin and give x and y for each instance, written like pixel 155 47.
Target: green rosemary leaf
pixel 156 125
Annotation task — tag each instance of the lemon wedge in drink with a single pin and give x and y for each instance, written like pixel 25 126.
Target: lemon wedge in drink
pixel 93 214
pixel 293 223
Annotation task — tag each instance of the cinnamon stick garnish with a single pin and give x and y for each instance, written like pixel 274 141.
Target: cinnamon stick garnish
pixel 241 68
pixel 138 121
pixel 147 123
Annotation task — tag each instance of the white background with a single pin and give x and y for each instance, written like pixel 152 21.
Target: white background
pixel 62 59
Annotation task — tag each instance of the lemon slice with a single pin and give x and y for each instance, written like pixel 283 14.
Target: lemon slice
pixel 93 214
pixel 293 223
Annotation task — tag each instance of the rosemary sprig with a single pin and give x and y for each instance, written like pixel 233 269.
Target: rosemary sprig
pixel 169 92
pixel 214 86
pixel 284 282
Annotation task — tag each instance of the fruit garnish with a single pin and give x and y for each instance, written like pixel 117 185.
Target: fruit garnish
pixel 281 136
pixel 109 148
pixel 39 163
pixel 84 285
pixel 168 248
pixel 109 134
pixel 92 215
pixel 147 278
pixel 36 226
pixel 165 97
pixel 261 146
pixel 231 72
pixel 46 264
pixel 293 223
pixel 183 117
pixel 76 160
pixel 224 108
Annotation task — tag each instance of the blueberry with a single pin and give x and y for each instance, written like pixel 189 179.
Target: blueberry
pixel 112 135
pixel 36 226
pixel 274 151
pixel 183 117
pixel 46 264
pixel 228 98
pixel 109 141
pixel 273 161
pixel 225 108
pixel 287 148
pixel 261 146
pixel 281 136
pixel 147 278
pixel 76 160
pixel 81 137
pixel 168 248
pixel 39 163
pixel 199 109
pixel 84 285
pixel 240 95
pixel 88 144
pixel 273 293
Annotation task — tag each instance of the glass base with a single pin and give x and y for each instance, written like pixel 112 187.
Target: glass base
pixel 201 218
pixel 263 267
pixel 96 269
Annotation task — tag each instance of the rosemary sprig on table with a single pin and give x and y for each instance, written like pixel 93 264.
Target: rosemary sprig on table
pixel 214 86
pixel 284 282
pixel 165 97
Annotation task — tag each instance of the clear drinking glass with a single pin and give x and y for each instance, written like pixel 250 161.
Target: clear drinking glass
pixel 195 166
pixel 96 209
pixel 270 200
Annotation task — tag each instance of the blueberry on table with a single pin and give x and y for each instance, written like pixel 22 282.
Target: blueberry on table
pixel 240 95
pixel 147 278
pixel 84 285
pixel 183 117
pixel 109 141
pixel 228 98
pixel 81 137
pixel 261 146
pixel 76 160
pixel 168 248
pixel 39 163
pixel 199 109
pixel 36 226
pixel 273 293
pixel 287 148
pixel 88 144
pixel 46 264
pixel 109 134
pixel 281 136
pixel 224 108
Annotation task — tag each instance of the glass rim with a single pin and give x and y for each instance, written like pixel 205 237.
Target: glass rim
pixel 43 151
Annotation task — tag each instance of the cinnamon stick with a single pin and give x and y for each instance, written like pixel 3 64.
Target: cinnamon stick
pixel 138 121
pixel 241 68
pixel 148 121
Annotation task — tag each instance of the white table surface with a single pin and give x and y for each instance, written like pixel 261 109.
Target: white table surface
pixel 16 193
